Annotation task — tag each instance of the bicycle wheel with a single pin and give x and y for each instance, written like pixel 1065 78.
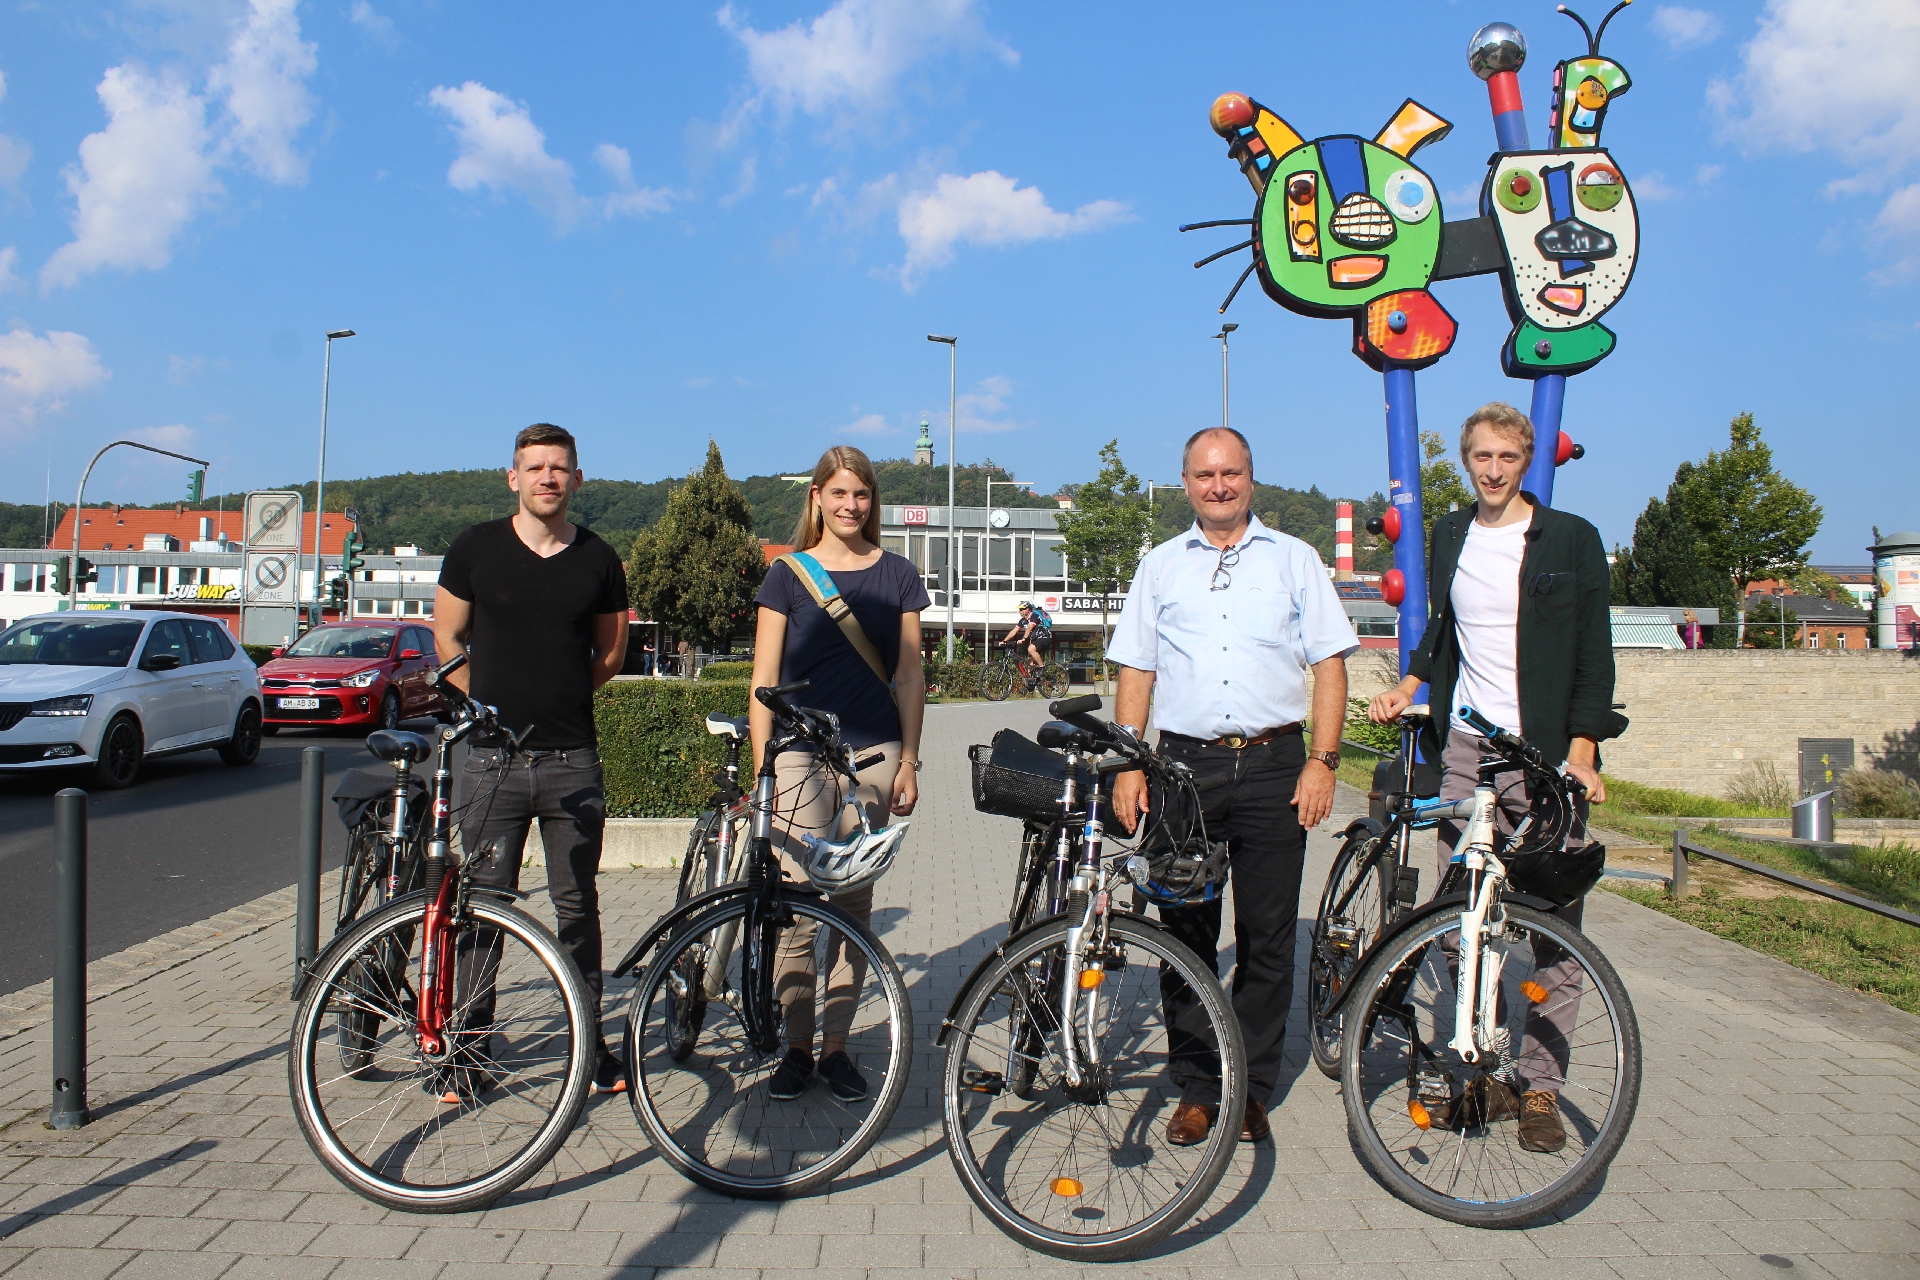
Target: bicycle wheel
pixel 1354 910
pixel 686 1009
pixel 1053 681
pixel 522 1039
pixel 997 680
pixel 1559 1001
pixel 363 882
pixel 1087 1173
pixel 711 1114
pixel 1036 903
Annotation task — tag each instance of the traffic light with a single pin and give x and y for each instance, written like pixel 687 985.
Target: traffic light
pixel 337 593
pixel 62 575
pixel 84 572
pixel 196 484
pixel 355 545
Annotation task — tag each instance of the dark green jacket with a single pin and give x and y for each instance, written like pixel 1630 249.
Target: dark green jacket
pixel 1565 642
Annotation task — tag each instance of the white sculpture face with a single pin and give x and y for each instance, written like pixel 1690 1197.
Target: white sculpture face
pixel 1571 233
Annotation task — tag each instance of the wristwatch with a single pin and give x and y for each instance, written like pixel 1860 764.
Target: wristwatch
pixel 1330 758
pixel 914 763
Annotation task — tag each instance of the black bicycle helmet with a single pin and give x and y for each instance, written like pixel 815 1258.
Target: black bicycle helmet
pixel 1560 876
pixel 1194 873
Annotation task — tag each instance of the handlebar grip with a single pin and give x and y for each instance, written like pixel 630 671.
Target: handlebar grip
pixel 447 668
pixel 1066 708
pixel 1479 723
pixel 768 694
pixel 869 762
pixel 1209 783
pixel 1118 764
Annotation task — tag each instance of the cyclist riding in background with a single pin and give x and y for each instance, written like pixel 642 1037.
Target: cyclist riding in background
pixel 1034 627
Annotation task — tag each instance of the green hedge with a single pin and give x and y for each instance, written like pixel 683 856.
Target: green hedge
pixel 956 679
pixel 654 745
pixel 261 654
pixel 727 671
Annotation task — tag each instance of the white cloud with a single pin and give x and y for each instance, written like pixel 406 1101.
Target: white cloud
pixel 868 424
pixel 984 408
pixel 503 150
pixel 1899 224
pixel 1833 75
pixel 1652 187
pixel 377 26
pixel 39 374
pixel 10 278
pixel 1685 28
pixel 1708 174
pixel 855 53
pixel 985 208
pixel 139 181
pixel 264 82
pixel 14 154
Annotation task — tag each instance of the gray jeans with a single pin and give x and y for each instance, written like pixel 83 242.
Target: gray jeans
pixel 501 797
pixel 1543 1045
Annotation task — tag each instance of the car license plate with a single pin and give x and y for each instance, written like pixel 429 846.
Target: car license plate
pixel 299 704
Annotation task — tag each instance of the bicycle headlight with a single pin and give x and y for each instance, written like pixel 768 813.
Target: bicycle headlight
pixel 361 679
pixel 73 705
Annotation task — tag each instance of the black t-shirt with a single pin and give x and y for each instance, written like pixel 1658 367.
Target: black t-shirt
pixel 817 650
pixel 531 641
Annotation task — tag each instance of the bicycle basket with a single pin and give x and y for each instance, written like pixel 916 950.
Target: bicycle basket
pixel 1194 873
pixel 1561 876
pixel 1018 778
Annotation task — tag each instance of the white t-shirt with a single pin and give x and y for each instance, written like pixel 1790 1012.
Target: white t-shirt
pixel 1486 611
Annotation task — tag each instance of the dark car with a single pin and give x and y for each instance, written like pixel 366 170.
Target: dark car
pixel 370 674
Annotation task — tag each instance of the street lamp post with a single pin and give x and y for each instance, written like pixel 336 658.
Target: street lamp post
pixel 1225 329
pixel 986 550
pixel 953 548
pixel 320 484
pixel 80 508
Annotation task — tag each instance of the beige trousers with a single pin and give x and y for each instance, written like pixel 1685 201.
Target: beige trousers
pixel 810 801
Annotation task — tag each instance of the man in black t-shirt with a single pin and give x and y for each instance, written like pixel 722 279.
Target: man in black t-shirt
pixel 539 606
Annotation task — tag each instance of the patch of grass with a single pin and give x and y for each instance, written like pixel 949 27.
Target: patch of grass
pixel 1886 873
pixel 1635 797
pixel 1877 957
pixel 1356 769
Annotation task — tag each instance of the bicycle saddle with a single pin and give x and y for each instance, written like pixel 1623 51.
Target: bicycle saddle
pixel 395 745
pixel 1064 737
pixel 726 726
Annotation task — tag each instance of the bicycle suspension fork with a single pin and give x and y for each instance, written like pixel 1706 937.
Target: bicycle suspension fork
pixel 1087 901
pixel 1476 1029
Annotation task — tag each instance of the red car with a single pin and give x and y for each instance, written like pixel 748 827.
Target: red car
pixel 370 674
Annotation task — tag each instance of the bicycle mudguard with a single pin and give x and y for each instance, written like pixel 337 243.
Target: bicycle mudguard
pixel 1448 905
pixel 300 979
pixel 1367 826
pixel 666 924
pixel 980 969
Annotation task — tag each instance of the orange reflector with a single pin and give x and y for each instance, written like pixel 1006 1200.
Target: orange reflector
pixel 1419 1114
pixel 1066 1186
pixel 1089 979
pixel 1533 991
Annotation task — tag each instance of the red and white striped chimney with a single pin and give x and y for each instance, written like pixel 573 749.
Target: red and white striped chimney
pixel 1343 541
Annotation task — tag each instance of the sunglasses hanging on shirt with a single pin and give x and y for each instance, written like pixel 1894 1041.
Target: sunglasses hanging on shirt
pixel 1229 557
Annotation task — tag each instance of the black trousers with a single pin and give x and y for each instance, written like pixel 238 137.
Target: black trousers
pixel 1267 850
pixel 502 796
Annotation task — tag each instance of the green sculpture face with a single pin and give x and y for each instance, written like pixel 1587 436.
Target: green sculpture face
pixel 1343 221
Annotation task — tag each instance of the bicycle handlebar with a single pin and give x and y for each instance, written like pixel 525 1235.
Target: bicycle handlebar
pixel 1518 749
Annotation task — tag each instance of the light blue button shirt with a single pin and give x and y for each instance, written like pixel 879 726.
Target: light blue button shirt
pixel 1234 660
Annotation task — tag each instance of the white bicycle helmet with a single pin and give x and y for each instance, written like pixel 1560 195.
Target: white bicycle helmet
pixel 855 863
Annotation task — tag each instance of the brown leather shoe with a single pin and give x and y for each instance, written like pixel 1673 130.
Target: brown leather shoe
pixel 1540 1126
pixel 1190 1124
pixel 1255 1127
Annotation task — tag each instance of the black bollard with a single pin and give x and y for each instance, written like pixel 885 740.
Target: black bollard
pixel 70 960
pixel 313 786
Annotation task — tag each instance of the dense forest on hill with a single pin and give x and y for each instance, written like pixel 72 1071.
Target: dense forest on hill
pixel 428 509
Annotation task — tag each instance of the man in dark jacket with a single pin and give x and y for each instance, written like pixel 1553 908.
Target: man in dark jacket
pixel 1521 633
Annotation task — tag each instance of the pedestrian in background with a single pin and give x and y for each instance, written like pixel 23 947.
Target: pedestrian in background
pixel 865 670
pixel 1219 631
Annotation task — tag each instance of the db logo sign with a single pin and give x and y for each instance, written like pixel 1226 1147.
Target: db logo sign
pixel 913 515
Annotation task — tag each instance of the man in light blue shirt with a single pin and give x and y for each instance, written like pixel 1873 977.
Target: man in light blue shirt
pixel 1219 629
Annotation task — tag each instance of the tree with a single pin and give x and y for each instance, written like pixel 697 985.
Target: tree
pixel 1763 624
pixel 1751 521
pixel 1664 568
pixel 697 570
pixel 1105 533
pixel 1441 487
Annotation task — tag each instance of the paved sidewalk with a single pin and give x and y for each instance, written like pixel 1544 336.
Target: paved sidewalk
pixel 1778 1133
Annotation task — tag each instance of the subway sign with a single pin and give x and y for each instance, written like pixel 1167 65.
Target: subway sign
pixel 202 591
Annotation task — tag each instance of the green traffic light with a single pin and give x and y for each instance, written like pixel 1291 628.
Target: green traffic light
pixel 62 575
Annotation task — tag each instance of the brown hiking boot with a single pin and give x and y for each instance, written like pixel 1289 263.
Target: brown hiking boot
pixel 1190 1124
pixel 1540 1126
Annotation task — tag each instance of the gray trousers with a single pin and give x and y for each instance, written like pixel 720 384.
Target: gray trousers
pixel 1542 1059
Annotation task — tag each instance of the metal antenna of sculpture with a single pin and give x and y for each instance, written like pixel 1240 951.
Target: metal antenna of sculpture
pixel 1349 227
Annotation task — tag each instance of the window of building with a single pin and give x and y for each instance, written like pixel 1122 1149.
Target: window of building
pixel 1813 640
pixel 1840 641
pixel 412 608
pixel 1376 626
pixel 894 542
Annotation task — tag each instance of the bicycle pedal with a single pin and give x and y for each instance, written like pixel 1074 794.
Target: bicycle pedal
pixel 1342 933
pixel 975 1080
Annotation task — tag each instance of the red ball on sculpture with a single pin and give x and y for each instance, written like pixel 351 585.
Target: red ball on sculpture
pixel 1231 113
pixel 1562 450
pixel 1390 524
pixel 1393 587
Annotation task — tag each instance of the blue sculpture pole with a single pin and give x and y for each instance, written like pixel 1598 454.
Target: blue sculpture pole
pixel 1403 471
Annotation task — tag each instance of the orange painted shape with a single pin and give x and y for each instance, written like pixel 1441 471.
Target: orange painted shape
pixel 1429 333
pixel 1356 269
pixel 1412 127
pixel 1303 215
pixel 1568 299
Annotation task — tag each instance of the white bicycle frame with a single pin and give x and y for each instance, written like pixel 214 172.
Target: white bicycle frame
pixel 1481 960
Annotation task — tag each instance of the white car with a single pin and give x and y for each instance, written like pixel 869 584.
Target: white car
pixel 111 689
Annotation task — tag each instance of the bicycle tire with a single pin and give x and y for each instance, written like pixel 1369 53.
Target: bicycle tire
pixel 1333 961
pixel 997 680
pixel 361 877
pixel 1054 681
pixel 677 1105
pixel 1141 1113
pixel 514 1110
pixel 1411 976
pixel 1036 903
pixel 687 1013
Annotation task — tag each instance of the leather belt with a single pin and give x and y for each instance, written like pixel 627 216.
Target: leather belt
pixel 1237 741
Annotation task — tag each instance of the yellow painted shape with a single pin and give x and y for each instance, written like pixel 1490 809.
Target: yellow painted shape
pixel 1276 133
pixel 1412 127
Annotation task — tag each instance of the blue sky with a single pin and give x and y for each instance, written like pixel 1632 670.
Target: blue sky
pixel 659 223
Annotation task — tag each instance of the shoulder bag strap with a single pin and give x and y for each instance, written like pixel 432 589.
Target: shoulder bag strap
pixel 820 585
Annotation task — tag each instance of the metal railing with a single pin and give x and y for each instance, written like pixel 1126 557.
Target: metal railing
pixel 1678 887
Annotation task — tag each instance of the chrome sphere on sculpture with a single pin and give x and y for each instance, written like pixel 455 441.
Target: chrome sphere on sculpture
pixel 1496 47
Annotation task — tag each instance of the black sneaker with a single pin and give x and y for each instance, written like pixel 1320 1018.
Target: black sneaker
pixel 789 1080
pixel 843 1077
pixel 611 1075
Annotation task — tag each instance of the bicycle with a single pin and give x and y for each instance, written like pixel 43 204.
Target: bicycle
pixel 1434 1088
pixel 1057 1076
pixel 382 810
pixel 471 1075
pixel 1369 886
pixel 997 678
pixel 699 1086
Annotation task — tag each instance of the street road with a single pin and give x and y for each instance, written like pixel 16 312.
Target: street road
pixel 191 838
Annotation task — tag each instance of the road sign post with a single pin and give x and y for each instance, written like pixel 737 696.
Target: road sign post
pixel 270 580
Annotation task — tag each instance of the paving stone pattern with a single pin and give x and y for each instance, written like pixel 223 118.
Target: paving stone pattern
pixel 1778 1133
